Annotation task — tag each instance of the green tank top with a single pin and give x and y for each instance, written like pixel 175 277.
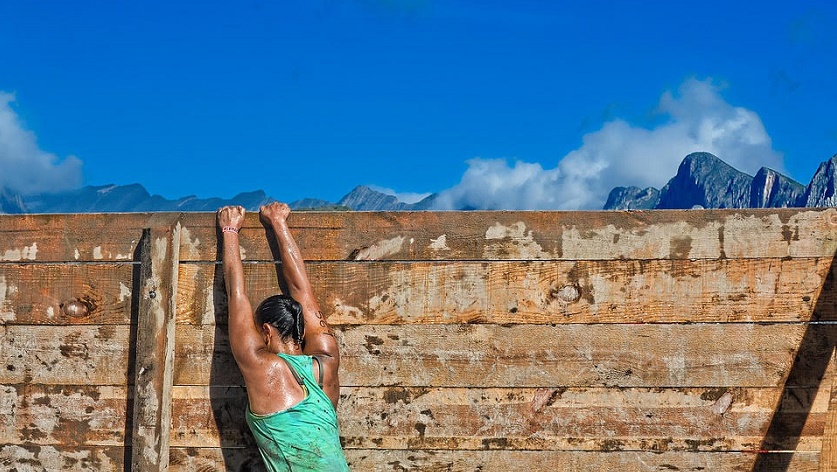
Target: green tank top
pixel 305 437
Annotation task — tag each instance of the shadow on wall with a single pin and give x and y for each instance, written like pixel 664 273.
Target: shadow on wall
pixel 227 395
pixel 804 380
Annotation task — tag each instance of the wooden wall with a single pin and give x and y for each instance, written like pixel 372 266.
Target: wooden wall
pixel 471 341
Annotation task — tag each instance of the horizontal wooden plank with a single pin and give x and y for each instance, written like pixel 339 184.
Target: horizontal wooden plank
pixel 75 237
pixel 533 292
pixel 597 419
pixel 550 235
pixel 372 460
pixel 697 355
pixel 30 457
pixel 65 355
pixel 448 355
pixel 66 294
pixel 678 234
pixel 63 415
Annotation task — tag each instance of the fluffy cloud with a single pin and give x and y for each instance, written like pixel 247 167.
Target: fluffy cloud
pixel 620 154
pixel 24 167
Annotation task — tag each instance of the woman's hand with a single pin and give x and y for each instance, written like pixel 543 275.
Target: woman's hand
pixel 231 217
pixel 275 212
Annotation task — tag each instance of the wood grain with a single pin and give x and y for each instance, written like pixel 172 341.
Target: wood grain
pixel 35 294
pixel 373 460
pixel 698 355
pixel 91 237
pixel 65 355
pixel 533 292
pixel 63 416
pixel 599 419
pixel 542 235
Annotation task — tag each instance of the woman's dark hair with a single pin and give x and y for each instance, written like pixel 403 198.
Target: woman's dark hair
pixel 283 313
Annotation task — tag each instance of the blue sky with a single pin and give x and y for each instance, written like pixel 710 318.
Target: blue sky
pixel 495 104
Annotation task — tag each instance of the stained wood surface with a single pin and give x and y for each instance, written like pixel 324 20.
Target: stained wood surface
pixel 23 457
pixel 516 235
pixel 38 294
pixel 533 292
pixel 63 415
pixel 657 340
pixel 667 234
pixel 65 355
pixel 703 355
pixel 159 256
pixel 572 419
pixel 93 237
pixel 383 460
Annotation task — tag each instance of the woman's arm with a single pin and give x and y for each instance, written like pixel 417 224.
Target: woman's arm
pixel 245 338
pixel 318 337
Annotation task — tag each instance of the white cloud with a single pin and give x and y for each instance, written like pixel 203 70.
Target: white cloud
pixel 24 167
pixel 620 154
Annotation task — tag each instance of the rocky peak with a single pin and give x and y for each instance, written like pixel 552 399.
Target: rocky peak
pixel 704 180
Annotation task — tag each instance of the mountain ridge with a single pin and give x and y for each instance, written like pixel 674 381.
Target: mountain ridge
pixel 703 180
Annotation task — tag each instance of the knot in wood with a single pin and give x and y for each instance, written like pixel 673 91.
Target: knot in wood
pixel 567 293
pixel 75 308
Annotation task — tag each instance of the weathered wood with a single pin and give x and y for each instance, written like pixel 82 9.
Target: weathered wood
pixel 549 235
pixel 600 419
pixel 40 293
pixel 698 355
pixel 669 234
pixel 159 252
pixel 372 460
pixel 63 415
pixel 64 355
pixel 828 456
pixel 26 457
pixel 503 292
pixel 91 237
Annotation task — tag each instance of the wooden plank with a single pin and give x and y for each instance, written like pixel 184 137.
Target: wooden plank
pixel 504 292
pixel 598 419
pixel 65 355
pixel 660 234
pixel 159 255
pixel 547 235
pixel 440 355
pixel 372 460
pixel 64 416
pixel 66 294
pixel 27 457
pixel 74 237
pixel 698 355
pixel 829 439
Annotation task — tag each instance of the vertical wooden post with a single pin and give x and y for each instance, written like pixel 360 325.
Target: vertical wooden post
pixel 154 366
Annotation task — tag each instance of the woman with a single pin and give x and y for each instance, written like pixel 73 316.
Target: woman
pixel 288 356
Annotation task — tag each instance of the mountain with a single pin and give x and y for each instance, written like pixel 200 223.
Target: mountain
pixel 820 192
pixel 131 198
pixel 10 202
pixel 632 198
pixel 702 180
pixel 771 189
pixel 363 198
pixel 705 181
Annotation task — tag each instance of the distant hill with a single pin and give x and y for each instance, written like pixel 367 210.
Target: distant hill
pixel 702 181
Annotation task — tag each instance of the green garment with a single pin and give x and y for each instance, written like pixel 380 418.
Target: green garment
pixel 305 437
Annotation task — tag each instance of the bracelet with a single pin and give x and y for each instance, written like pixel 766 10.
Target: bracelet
pixel 229 229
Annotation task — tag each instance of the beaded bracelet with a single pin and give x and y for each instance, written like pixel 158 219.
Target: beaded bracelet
pixel 229 229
